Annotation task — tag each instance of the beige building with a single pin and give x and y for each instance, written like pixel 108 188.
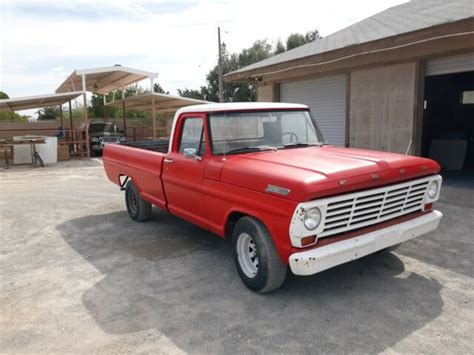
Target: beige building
pixel 401 80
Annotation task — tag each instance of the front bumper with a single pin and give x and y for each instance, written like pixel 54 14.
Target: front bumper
pixel 318 259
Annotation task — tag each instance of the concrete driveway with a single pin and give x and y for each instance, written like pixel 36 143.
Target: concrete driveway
pixel 77 275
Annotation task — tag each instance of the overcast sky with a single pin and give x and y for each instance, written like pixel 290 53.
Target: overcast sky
pixel 41 42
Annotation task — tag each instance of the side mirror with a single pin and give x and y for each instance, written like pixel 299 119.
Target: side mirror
pixel 190 153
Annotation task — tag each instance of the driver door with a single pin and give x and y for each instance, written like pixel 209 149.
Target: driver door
pixel 183 169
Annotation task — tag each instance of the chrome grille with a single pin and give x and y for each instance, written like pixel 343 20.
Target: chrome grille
pixel 365 208
pixel 108 139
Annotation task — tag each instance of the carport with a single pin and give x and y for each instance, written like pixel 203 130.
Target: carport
pixel 73 136
pixel 103 81
pixel 155 103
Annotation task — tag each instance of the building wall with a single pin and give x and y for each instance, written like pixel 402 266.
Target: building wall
pixel 382 107
pixel 268 93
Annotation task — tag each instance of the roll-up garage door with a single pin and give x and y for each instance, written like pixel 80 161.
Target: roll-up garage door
pixel 326 97
pixel 449 65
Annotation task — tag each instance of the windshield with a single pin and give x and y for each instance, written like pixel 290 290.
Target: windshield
pixel 102 127
pixel 242 132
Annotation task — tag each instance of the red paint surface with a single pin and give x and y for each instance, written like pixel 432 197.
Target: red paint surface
pixel 207 192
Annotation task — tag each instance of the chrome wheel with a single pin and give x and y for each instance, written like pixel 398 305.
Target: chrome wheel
pixel 247 255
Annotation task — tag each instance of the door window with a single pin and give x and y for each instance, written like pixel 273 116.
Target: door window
pixel 193 138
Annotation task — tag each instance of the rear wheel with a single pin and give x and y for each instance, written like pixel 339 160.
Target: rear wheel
pixel 255 256
pixel 138 209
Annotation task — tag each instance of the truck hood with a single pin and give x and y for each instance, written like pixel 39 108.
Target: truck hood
pixel 315 172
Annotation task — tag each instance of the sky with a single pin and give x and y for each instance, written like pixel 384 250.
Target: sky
pixel 42 42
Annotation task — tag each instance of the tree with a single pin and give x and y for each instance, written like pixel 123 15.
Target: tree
pixel 279 48
pixel 48 113
pixel 3 95
pixel 312 35
pixel 193 93
pixel 295 40
pixel 158 89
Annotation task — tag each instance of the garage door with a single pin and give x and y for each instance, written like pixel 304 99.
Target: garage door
pixel 449 65
pixel 326 97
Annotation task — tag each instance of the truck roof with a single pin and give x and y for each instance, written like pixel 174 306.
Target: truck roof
pixel 238 106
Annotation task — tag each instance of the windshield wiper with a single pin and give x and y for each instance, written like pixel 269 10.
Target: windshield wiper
pixel 300 145
pixel 250 149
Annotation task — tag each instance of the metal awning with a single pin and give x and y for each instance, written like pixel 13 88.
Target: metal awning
pixel 38 101
pixel 103 80
pixel 161 102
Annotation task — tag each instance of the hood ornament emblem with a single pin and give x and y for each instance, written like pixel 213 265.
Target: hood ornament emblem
pixel 277 190
pixel 342 182
pixel 374 176
pixel 402 171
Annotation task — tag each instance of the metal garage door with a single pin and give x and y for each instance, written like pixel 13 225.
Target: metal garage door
pixel 448 65
pixel 326 98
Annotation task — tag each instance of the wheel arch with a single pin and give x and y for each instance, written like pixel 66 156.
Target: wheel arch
pixel 234 216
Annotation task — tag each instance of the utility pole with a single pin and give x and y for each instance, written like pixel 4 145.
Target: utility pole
pixel 221 86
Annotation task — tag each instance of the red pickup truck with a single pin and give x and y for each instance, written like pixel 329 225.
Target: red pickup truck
pixel 262 175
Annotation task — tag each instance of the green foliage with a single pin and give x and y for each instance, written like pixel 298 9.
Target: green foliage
pixel 158 89
pixel 279 47
pixel 48 113
pixel 312 35
pixel 10 116
pixel 295 40
pixel 193 93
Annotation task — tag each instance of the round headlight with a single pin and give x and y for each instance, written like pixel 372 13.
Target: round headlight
pixel 312 218
pixel 433 189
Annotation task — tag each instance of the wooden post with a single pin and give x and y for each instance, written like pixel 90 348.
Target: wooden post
pixel 153 118
pixel 124 118
pixel 86 124
pixel 62 118
pixel 71 127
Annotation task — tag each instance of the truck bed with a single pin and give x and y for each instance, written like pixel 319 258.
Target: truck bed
pixel 141 162
pixel 159 145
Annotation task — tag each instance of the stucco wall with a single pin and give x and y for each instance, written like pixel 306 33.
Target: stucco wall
pixel 382 107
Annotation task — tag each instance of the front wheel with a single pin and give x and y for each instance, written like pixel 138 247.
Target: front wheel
pixel 255 256
pixel 138 209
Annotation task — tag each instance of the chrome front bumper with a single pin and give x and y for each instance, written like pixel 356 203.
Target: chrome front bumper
pixel 318 259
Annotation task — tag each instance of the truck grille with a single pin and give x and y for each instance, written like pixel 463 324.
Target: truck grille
pixel 108 139
pixel 352 211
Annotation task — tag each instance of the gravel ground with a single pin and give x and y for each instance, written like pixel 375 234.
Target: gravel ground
pixel 78 276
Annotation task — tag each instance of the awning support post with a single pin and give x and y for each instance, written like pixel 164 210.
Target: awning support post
pixel 86 116
pixel 124 118
pixel 61 113
pixel 153 118
pixel 71 127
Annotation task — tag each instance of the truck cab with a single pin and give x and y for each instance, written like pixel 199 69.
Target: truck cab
pixel 262 175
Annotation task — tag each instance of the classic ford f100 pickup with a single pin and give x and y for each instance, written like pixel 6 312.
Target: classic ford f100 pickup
pixel 262 175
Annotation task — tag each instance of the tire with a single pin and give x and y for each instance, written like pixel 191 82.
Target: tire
pixel 138 209
pixel 255 256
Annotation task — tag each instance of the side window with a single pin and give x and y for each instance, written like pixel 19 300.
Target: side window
pixel 193 140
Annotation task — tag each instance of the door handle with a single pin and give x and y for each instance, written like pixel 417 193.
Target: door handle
pixel 168 161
